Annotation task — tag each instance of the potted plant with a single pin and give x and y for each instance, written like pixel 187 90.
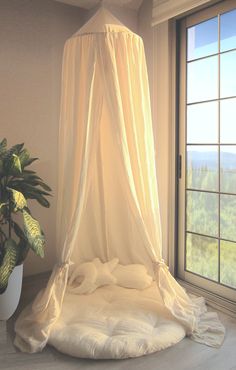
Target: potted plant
pixel 19 230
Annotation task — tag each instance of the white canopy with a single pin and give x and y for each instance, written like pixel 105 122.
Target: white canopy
pixel 108 200
pixel 102 21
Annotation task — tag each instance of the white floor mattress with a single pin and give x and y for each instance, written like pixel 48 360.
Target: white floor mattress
pixel 115 323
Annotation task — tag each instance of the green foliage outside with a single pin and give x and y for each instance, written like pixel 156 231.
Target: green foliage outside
pixel 17 184
pixel 203 218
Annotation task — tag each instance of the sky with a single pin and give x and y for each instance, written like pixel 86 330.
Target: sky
pixel 203 85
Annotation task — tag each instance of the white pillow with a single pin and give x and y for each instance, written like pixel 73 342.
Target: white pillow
pixel 89 276
pixel 104 271
pixel 83 278
pixel 133 276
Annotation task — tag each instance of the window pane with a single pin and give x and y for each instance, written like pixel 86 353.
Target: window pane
pixel 228 263
pixel 202 167
pixel 228 121
pixel 208 145
pixel 203 39
pixel 228 217
pixel 228 169
pixel 202 123
pixel 202 256
pixel 202 213
pixel 202 81
pixel 227 74
pixel 228 30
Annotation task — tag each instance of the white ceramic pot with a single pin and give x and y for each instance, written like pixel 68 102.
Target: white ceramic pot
pixel 10 298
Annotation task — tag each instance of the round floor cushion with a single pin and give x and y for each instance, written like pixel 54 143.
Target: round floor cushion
pixel 115 323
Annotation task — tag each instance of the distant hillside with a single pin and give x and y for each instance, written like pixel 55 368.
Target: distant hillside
pixel 198 159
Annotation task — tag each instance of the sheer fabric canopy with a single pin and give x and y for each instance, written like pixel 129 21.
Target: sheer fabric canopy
pixel 108 198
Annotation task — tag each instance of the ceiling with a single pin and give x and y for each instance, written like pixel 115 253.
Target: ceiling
pixel 89 4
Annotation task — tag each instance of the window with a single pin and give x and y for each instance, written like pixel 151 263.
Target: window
pixel 207 148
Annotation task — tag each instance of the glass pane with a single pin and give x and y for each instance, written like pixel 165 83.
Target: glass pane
pixel 202 167
pixel 228 169
pixel 202 256
pixel 203 39
pixel 202 81
pixel 228 263
pixel 202 123
pixel 228 217
pixel 202 213
pixel 228 121
pixel 227 74
pixel 228 30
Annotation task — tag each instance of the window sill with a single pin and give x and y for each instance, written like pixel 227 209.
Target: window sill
pixel 224 305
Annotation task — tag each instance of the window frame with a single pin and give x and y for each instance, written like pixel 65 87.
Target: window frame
pixel 189 279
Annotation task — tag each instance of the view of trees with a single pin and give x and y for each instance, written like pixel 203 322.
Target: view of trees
pixel 211 186
pixel 202 256
pixel 203 215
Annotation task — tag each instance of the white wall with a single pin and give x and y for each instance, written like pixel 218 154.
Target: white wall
pixel 32 35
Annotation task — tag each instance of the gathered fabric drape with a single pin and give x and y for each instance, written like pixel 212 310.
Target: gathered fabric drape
pixel 108 198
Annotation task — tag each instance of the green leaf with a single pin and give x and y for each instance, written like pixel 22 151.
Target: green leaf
pixel 36 181
pixel 44 186
pixel 3 204
pixel 31 192
pixel 27 177
pixel 34 234
pixel 18 199
pixel 23 247
pixel 15 164
pixel 24 157
pixel 29 161
pixel 36 196
pixel 13 150
pixel 41 200
pixel 23 187
pixel 18 230
pixel 9 262
pixel 29 172
pixel 4 194
pixel 3 210
pixel 11 161
pixel 3 146
pixel 1 167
